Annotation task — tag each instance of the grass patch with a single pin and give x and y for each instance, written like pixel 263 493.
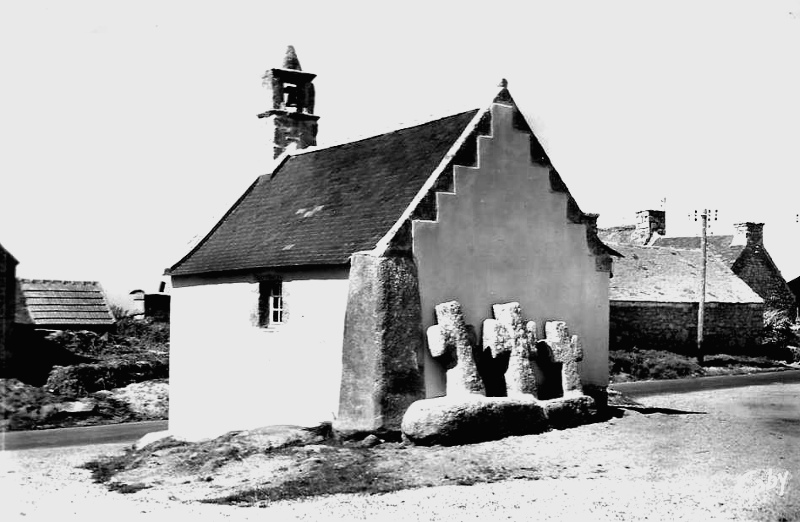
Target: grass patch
pixel 298 464
pixel 636 365
pixel 652 364
pixel 127 488
pixel 106 467
pixel 723 360
pixel 383 469
pixel 352 472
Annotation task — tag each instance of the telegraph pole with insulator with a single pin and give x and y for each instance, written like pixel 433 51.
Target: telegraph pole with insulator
pixel 701 305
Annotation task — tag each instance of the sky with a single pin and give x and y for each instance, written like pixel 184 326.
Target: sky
pixel 129 128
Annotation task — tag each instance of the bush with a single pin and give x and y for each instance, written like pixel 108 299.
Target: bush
pixel 652 364
pixel 144 332
pixel 778 329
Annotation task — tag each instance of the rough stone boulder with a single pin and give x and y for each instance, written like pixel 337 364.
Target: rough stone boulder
pixel 80 380
pixel 568 412
pixel 474 418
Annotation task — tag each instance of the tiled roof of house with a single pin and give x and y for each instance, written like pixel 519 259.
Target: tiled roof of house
pixel 621 234
pixel 321 206
pixel 670 275
pixel 719 245
pixel 48 303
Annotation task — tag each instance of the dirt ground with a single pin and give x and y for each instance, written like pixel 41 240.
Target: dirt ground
pixel 715 455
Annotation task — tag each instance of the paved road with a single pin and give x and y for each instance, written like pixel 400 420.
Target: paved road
pixel 707 455
pixel 132 431
pixel 648 388
pixel 129 432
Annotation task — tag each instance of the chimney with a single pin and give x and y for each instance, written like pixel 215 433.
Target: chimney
pixel 748 234
pixel 291 118
pixel 649 223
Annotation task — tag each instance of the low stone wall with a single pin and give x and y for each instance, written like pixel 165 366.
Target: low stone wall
pixel 728 327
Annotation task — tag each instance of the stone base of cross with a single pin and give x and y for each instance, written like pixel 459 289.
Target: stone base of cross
pixel 453 342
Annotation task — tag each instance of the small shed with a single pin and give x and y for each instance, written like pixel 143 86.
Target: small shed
pixel 63 305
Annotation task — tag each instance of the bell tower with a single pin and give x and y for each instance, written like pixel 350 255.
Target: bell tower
pixel 291 118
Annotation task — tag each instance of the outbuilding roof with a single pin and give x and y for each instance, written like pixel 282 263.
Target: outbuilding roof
pixel 61 303
pixel 671 275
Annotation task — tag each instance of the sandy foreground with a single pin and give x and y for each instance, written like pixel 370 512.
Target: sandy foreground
pixel 716 455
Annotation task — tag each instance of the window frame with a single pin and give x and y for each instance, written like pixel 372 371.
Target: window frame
pixel 271 304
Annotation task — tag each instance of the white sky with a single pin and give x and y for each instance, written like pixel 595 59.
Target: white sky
pixel 128 127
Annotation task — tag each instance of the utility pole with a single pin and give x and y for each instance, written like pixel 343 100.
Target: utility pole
pixel 701 305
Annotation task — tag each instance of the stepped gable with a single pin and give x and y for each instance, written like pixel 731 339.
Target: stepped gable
pixel 319 206
pixel 467 156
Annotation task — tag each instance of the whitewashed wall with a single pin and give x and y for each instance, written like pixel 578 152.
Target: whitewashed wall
pixel 226 373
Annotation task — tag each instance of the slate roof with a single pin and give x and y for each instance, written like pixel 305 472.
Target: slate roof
pixel 60 303
pixel 719 245
pixel 321 206
pixel 619 234
pixel 670 275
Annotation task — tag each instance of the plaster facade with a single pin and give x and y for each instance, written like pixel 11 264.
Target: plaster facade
pixel 503 235
pixel 227 372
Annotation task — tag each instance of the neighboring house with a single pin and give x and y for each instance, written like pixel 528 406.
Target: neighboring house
pixel 794 286
pixel 308 300
pixel 743 252
pixel 150 306
pixel 137 303
pixel 63 305
pixel 8 268
pixel 654 302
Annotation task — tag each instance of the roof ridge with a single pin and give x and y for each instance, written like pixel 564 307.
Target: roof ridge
pixel 62 281
pixel 318 148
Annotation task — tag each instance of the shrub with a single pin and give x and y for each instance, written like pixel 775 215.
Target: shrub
pixel 652 364
pixel 145 332
pixel 778 329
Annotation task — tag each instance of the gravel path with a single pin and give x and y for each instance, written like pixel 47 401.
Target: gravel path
pixel 736 458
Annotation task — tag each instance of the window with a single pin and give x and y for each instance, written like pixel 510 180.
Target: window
pixel 270 303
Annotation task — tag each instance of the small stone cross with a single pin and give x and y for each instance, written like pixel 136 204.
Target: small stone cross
pixel 507 333
pixel 453 340
pixel 568 351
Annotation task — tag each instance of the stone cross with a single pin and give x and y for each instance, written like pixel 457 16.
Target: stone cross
pixel 568 351
pixel 453 340
pixel 507 333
